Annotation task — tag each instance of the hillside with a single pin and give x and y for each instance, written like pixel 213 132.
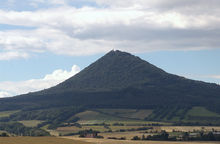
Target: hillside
pixel 119 80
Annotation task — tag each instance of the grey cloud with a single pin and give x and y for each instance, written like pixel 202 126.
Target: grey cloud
pixel 172 38
pixel 153 25
pixel 122 32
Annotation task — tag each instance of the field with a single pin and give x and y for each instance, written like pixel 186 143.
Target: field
pixel 127 113
pixel 7 113
pixel 39 140
pixel 97 116
pixel 30 123
pixel 130 134
pixel 195 114
pixel 187 128
pixel 109 141
pixel 201 112
pixel 102 129
pixel 103 122
pixel 117 124
pixel 110 116
pixel 75 140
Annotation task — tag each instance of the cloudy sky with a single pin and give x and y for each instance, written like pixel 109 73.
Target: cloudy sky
pixel 43 42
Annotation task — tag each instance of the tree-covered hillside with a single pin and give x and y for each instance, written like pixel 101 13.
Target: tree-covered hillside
pixel 121 80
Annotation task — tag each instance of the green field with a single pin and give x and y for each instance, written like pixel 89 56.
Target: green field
pixel 105 121
pixel 7 113
pixel 110 116
pixel 201 112
pixel 113 116
pixel 127 113
pixel 96 116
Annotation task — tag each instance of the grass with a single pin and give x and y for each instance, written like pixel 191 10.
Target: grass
pixel 201 112
pixel 31 123
pixel 7 113
pixel 127 113
pixel 141 114
pixel 108 116
pixel 93 115
pixel 117 111
pixel 39 140
pixel 115 128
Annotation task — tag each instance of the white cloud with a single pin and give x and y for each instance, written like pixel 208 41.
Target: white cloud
pixel 131 25
pixel 214 76
pixel 12 55
pixel 49 2
pixel 22 87
pixel 206 78
pixel 160 4
pixel 4 94
pixel 60 75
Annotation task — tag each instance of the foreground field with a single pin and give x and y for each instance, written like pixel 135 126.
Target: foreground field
pixel 39 140
pixel 108 141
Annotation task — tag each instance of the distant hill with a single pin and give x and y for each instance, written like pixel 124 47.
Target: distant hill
pixel 121 80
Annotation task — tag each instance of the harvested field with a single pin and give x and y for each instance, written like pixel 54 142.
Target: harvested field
pixel 30 123
pixel 39 140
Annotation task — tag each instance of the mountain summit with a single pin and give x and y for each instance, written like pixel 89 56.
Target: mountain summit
pixel 121 80
pixel 115 70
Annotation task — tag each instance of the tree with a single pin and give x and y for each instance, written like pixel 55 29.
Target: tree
pixel 4 135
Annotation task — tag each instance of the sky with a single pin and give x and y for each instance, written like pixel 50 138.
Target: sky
pixel 44 42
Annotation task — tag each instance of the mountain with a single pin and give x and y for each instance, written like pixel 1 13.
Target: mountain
pixel 116 70
pixel 121 80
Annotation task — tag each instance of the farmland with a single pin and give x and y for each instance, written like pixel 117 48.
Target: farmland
pixel 127 113
pixel 188 128
pixel 76 140
pixel 109 141
pixel 30 123
pixel 116 124
pixel 201 112
pixel 7 113
pixel 110 116
pixel 38 140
